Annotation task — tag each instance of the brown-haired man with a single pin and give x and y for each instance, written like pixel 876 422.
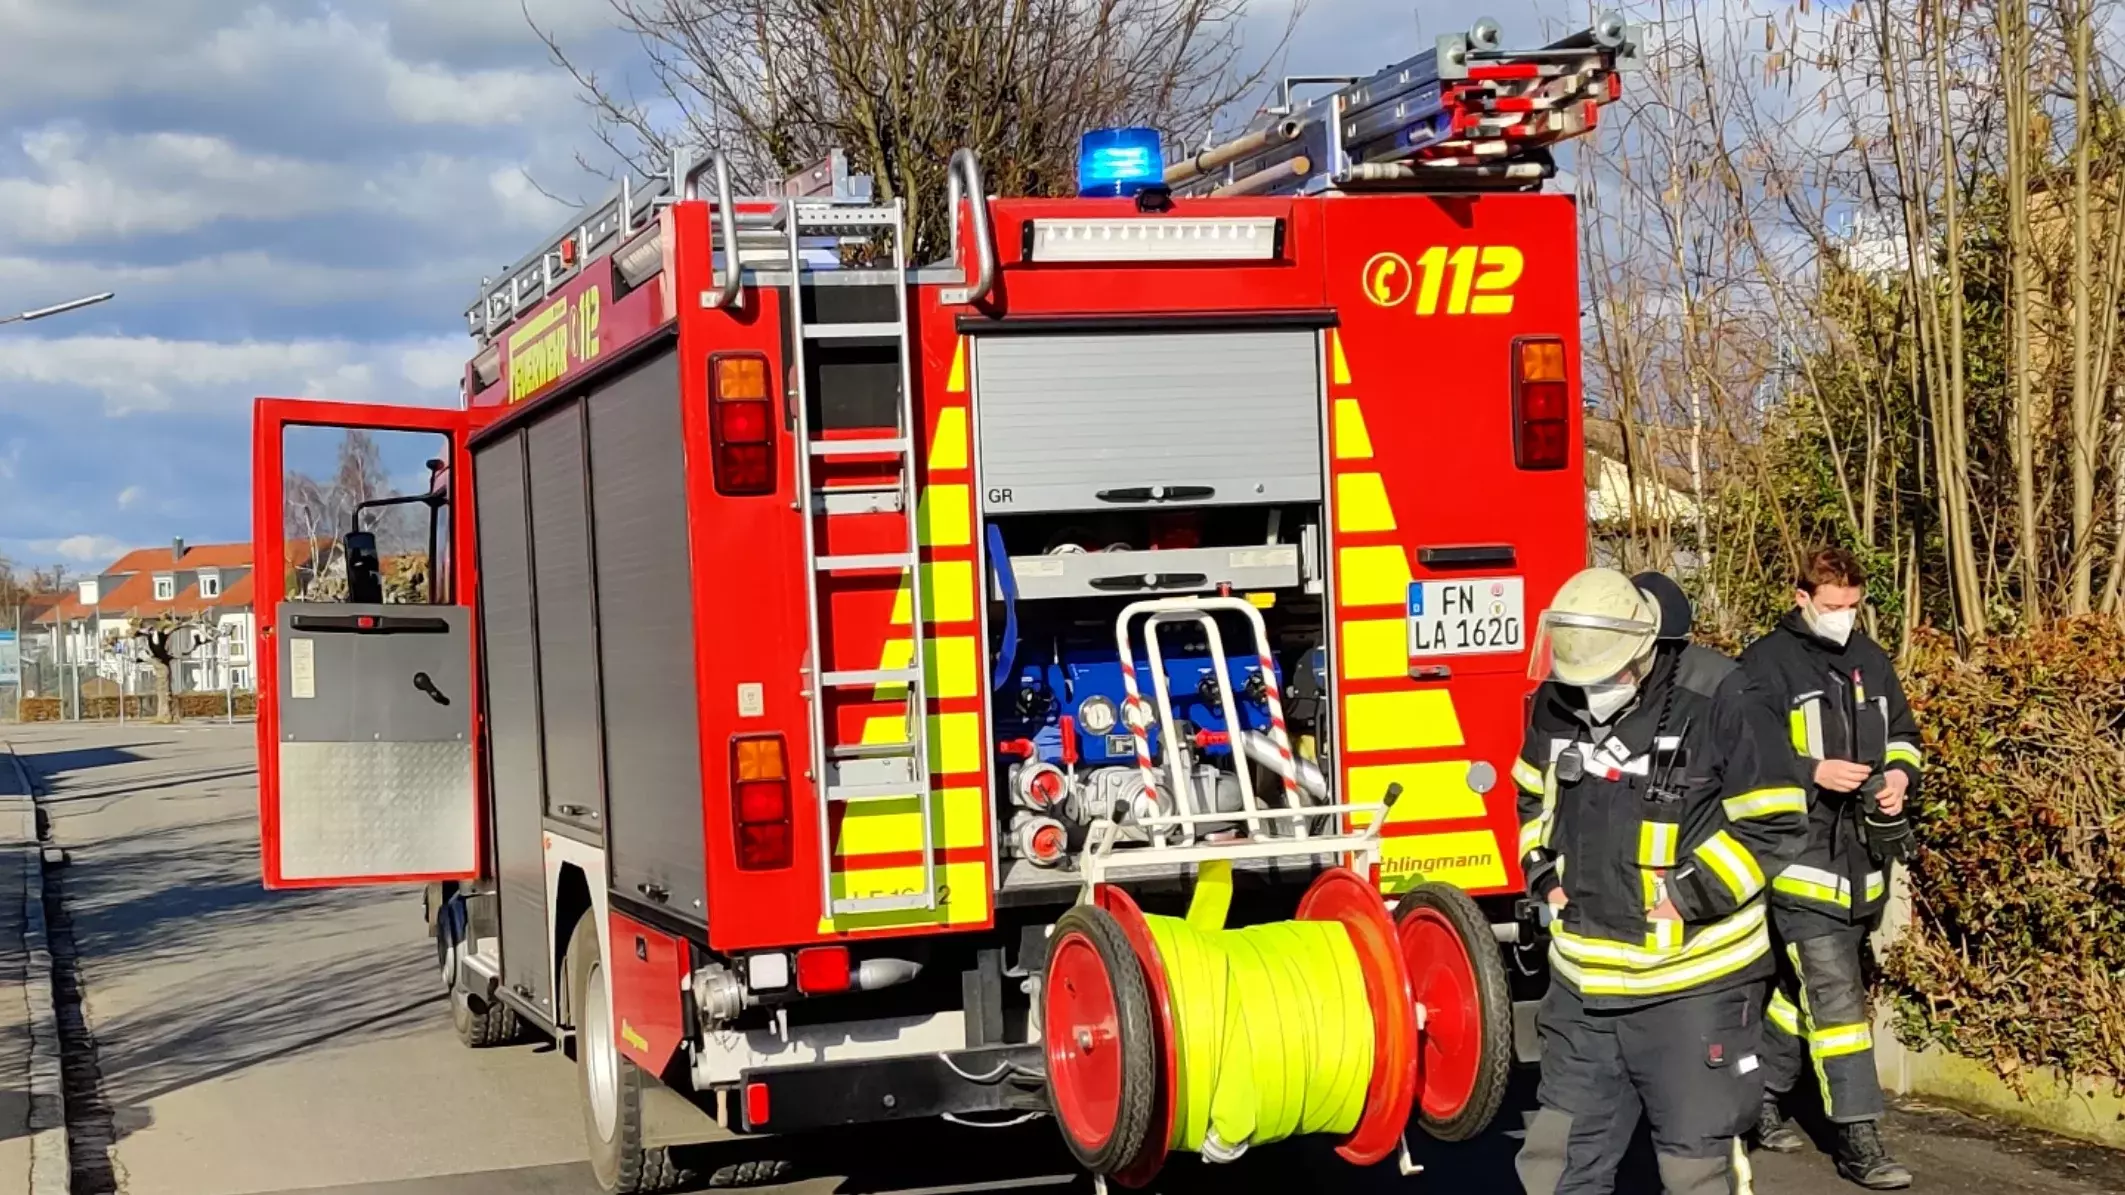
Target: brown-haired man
pixel 1849 722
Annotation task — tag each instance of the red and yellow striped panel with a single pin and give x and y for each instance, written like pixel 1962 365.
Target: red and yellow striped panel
pixel 1393 733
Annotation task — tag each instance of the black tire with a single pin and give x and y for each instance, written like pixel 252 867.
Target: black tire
pixel 1136 1039
pixel 480 1023
pixel 621 1163
pixel 756 1173
pixel 1494 1005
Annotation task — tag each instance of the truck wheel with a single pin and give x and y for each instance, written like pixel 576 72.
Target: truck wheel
pixel 611 1084
pixel 1465 1033
pixel 479 1022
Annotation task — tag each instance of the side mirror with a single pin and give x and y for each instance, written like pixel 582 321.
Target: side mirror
pixel 365 574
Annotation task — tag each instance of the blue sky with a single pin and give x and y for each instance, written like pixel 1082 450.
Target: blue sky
pixel 299 198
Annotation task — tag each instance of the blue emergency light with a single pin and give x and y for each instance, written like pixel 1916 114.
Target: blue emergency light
pixel 1119 162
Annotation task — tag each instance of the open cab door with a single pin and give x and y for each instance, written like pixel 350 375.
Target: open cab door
pixel 367 724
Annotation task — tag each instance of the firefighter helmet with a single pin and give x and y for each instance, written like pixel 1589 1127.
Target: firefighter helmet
pixel 1598 625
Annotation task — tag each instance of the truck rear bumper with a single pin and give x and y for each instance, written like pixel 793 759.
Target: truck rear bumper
pixel 828 1094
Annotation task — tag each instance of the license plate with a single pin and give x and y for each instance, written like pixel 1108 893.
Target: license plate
pixel 1479 616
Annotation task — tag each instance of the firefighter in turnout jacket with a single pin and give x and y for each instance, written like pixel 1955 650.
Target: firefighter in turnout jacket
pixel 1846 714
pixel 1657 794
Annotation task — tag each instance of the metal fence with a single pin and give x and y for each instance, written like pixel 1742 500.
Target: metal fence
pixel 88 671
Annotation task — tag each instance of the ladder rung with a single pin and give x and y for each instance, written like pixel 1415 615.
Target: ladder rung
pixel 871 676
pixel 854 447
pixel 854 331
pixel 858 501
pixel 900 750
pixel 877 560
pixel 882 904
pixel 866 792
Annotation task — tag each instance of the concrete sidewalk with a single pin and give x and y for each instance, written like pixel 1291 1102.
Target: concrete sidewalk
pixel 32 1105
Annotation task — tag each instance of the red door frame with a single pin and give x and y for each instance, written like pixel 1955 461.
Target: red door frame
pixel 270 419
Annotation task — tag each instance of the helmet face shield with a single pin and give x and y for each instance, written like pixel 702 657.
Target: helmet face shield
pixel 1588 649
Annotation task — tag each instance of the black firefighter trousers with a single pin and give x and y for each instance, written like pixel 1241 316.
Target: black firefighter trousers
pixel 1818 1013
pixel 1689 1064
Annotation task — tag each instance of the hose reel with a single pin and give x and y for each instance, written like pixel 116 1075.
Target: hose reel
pixel 1172 1034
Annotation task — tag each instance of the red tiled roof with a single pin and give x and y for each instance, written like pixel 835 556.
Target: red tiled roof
pixel 141 560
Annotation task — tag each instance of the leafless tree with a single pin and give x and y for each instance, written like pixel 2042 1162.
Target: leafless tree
pixel 900 84
pixel 166 639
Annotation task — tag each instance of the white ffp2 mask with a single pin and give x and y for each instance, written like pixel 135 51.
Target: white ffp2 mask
pixel 1606 701
pixel 1835 625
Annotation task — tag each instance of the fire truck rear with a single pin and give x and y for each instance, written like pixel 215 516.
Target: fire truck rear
pixel 827 669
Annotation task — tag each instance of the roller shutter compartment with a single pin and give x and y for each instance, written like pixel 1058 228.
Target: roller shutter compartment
pixel 1120 420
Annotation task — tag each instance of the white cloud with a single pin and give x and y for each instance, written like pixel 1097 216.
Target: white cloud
pixel 82 549
pixel 201 49
pixel 130 497
pixel 136 374
pixel 86 186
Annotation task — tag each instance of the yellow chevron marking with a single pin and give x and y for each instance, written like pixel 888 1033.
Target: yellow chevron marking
pixel 897 653
pixel 881 729
pixel 945 515
pixel 1401 721
pixel 957 382
pixel 947 594
pixel 881 825
pixel 948 448
pixel 1373 576
pixel 949 665
pixel 955 743
pixel 1338 368
pixel 1374 648
pixel 1437 791
pixel 1361 503
pixel 1353 443
pixel 1466 859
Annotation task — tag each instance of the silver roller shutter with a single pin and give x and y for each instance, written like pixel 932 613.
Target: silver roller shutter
pixel 1112 420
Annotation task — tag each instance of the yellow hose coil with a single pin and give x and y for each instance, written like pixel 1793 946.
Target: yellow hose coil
pixel 1272 1029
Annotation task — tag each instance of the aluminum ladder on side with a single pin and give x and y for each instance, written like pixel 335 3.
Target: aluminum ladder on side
pixel 848 773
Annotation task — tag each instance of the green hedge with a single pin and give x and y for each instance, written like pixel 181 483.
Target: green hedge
pixel 2016 951
pixel 189 705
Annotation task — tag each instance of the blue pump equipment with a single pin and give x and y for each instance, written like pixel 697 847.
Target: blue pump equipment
pixel 1006 581
pixel 1086 685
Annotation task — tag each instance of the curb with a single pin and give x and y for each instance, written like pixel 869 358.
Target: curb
pixel 50 1165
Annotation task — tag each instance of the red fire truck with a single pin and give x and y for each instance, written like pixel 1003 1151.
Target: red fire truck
pixel 801 635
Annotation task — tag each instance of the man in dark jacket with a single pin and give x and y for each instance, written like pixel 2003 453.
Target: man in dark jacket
pixel 1658 793
pixel 1846 715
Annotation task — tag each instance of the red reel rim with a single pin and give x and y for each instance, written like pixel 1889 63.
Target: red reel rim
pixel 1443 979
pixel 1145 1166
pixel 1340 895
pixel 1080 1007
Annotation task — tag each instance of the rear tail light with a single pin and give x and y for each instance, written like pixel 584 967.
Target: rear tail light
pixel 741 424
pixel 823 969
pixel 760 802
pixel 1542 426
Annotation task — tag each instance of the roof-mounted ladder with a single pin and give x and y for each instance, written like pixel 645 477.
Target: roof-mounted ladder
pixel 1463 115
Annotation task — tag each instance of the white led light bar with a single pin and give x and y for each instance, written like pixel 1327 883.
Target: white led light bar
pixel 1155 238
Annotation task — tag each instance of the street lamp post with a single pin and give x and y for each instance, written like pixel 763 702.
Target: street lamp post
pixel 55 309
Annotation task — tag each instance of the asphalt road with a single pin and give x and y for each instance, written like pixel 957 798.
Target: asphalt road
pixel 248 1042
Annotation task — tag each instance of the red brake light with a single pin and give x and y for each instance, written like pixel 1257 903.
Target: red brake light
pixel 822 969
pixel 741 424
pixel 760 804
pixel 1541 404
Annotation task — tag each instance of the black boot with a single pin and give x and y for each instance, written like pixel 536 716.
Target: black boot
pixel 1861 1158
pixel 1773 1131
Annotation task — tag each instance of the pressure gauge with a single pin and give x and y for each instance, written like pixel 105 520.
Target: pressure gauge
pixel 1137 715
pixel 1096 715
